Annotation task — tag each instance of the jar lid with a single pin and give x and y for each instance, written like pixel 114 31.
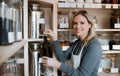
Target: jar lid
pixel 35 7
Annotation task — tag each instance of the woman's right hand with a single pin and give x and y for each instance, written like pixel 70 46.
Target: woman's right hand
pixel 51 34
pixel 51 62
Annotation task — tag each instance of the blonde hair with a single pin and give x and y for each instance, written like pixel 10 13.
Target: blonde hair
pixel 91 32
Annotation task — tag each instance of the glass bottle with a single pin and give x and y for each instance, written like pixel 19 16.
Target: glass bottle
pixel 94 19
pixel 114 1
pixel 47 48
pixel 47 51
pixel 116 45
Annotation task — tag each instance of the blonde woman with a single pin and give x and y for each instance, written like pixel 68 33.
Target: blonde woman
pixel 83 55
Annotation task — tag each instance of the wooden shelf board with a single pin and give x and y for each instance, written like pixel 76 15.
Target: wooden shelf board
pixel 108 74
pixel 43 3
pixel 9 50
pixel 34 40
pixel 88 5
pixel 107 29
pixel 107 52
pixel 64 29
pixel 95 29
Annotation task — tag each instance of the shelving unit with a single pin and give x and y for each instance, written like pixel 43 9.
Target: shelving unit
pixel 104 8
pixel 9 50
pixel 52 4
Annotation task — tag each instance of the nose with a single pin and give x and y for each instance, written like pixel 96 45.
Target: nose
pixel 78 25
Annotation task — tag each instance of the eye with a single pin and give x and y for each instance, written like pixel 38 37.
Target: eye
pixel 75 23
pixel 82 23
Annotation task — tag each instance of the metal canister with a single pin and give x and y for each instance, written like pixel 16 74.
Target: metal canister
pixel 35 65
pixel 36 56
pixel 36 21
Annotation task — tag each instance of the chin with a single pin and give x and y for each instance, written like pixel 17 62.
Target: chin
pixel 78 34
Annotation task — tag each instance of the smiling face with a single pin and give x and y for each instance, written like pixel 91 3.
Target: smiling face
pixel 81 26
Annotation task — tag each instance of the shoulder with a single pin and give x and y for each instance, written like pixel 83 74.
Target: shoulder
pixel 93 45
pixel 93 42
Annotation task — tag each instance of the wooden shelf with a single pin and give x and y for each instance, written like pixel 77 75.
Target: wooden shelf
pixel 9 50
pixel 34 40
pixel 95 30
pixel 108 74
pixel 107 29
pixel 111 51
pixel 88 5
pixel 43 3
pixel 64 29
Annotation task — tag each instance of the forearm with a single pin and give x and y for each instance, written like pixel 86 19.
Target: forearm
pixel 61 56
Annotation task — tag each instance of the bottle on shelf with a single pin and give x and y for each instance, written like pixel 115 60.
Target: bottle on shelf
pixel 114 1
pixel 6 22
pixel 106 1
pixel 112 21
pixel 116 45
pixel 111 42
pixel 94 19
pixel 47 50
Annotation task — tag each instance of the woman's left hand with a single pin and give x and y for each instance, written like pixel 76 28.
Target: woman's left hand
pixel 50 62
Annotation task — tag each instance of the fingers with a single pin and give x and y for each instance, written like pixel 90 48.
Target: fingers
pixel 47 31
pixel 44 61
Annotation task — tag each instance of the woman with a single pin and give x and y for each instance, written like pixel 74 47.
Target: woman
pixel 83 55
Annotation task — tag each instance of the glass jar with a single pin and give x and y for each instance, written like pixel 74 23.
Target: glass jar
pixel 17 18
pixel 63 20
pixel 106 64
pixel 6 22
pixel 9 68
